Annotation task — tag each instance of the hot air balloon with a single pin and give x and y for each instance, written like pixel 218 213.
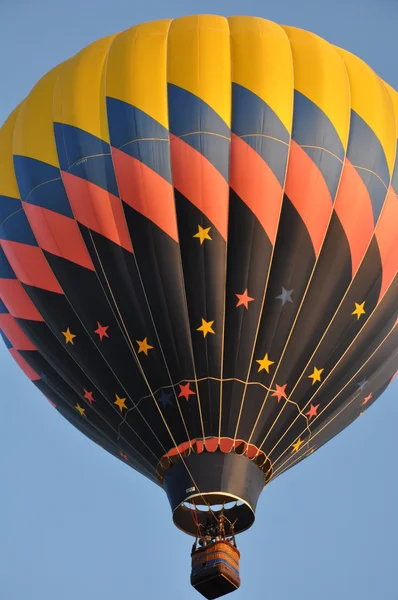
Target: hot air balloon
pixel 198 256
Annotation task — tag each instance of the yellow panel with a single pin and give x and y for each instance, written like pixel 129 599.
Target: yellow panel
pixel 34 130
pixel 320 74
pixel 262 63
pixel 137 69
pixel 394 98
pixel 199 60
pixel 79 98
pixel 8 182
pixel 371 101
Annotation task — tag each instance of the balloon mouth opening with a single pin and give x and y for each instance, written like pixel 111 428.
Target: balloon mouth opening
pixel 201 487
pixel 199 510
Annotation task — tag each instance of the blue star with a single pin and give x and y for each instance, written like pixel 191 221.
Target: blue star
pixel 44 377
pixel 362 384
pixel 286 296
pixel 164 398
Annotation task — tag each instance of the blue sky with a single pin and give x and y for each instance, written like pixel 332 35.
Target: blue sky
pixel 77 524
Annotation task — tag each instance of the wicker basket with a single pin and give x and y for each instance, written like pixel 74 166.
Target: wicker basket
pixel 215 569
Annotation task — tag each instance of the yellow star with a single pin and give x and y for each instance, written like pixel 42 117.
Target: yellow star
pixel 69 336
pixel 265 363
pixel 120 402
pixel 144 346
pixel 316 375
pixel 80 410
pixel 297 445
pixel 206 327
pixel 203 234
pixel 359 310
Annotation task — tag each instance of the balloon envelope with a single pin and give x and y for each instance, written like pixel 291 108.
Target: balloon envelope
pixel 199 248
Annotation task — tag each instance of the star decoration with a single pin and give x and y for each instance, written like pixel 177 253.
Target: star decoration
pixel 165 398
pixel 203 234
pixel 362 384
pixel 265 363
pixel 244 299
pixel 366 400
pixel 120 402
pixel 69 337
pixel 124 456
pixel 144 346
pixel 313 411
pixel 297 445
pixel 285 296
pixel 102 331
pixel 185 391
pixel 280 392
pixel 88 396
pixel 206 327
pixel 316 375
pixel 80 410
pixel 359 310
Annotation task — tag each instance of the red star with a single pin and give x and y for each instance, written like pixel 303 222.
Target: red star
pixel 101 331
pixel 366 400
pixel 88 396
pixel 280 392
pixel 185 392
pixel 244 299
pixel 124 456
pixel 313 411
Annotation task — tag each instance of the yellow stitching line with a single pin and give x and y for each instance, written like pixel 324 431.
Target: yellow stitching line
pixel 324 150
pixel 373 173
pixel 345 163
pixel 84 158
pixel 224 137
pixel 12 214
pixel 263 135
pixel 149 139
pixel 41 185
